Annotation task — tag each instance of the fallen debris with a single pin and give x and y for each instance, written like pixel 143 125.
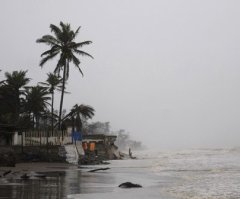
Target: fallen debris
pixel 40 175
pixel 6 173
pixel 100 169
pixel 130 154
pixel 129 185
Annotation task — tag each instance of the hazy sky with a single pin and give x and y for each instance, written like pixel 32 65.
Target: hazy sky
pixel 168 71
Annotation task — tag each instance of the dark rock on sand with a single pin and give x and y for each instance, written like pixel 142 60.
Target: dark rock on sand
pixel 129 185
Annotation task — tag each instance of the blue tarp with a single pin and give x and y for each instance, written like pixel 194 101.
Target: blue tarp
pixel 77 136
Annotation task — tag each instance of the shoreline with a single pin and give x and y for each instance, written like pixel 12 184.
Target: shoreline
pixel 77 183
pixel 39 166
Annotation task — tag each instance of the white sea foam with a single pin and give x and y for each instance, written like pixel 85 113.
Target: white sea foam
pixel 200 174
pixel 189 174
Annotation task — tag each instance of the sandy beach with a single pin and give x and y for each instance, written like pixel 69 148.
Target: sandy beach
pixel 69 181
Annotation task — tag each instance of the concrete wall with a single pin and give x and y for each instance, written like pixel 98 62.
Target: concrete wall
pixel 36 153
pixel 37 141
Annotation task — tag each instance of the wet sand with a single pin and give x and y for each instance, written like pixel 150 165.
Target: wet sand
pixel 39 167
pixel 69 181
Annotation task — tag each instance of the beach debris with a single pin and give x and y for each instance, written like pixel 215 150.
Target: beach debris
pixel 6 173
pixel 130 154
pixel 129 185
pixel 40 175
pixel 100 169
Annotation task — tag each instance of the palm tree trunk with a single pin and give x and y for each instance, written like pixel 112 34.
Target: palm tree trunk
pixel 73 127
pixel 33 122
pixel 63 88
pixel 17 108
pixel 52 111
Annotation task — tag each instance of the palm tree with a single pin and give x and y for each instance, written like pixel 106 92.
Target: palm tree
pixel 53 81
pixel 77 112
pixel 37 102
pixel 63 44
pixel 7 105
pixel 12 87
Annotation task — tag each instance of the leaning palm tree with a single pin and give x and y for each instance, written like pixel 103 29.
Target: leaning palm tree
pixel 79 111
pixel 63 44
pixel 53 81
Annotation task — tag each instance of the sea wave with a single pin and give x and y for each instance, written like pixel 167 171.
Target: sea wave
pixel 200 173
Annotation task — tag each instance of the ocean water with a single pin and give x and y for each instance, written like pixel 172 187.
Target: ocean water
pixel 205 174
pixel 187 174
pixel 199 173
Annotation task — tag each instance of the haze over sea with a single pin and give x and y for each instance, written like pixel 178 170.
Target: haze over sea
pixel 167 71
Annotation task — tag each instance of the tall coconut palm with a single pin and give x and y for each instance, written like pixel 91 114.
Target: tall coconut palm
pixel 13 85
pixel 63 43
pixel 53 81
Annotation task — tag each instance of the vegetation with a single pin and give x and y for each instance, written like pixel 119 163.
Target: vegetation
pixel 53 82
pixel 37 98
pixel 63 43
pixel 77 114
pixel 32 107
pixel 11 92
pixel 11 96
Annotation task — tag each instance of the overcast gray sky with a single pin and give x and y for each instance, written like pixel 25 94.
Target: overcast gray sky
pixel 165 70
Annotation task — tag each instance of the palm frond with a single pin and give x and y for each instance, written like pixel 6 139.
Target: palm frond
pixel 47 58
pixel 60 64
pixel 54 49
pixel 76 63
pixel 76 32
pixel 87 111
pixel 49 40
pixel 80 52
pixel 81 44
pixel 56 30
pixel 75 60
pixel 57 70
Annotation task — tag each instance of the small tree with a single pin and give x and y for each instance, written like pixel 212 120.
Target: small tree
pixel 53 82
pixel 77 113
pixel 12 91
pixel 37 98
